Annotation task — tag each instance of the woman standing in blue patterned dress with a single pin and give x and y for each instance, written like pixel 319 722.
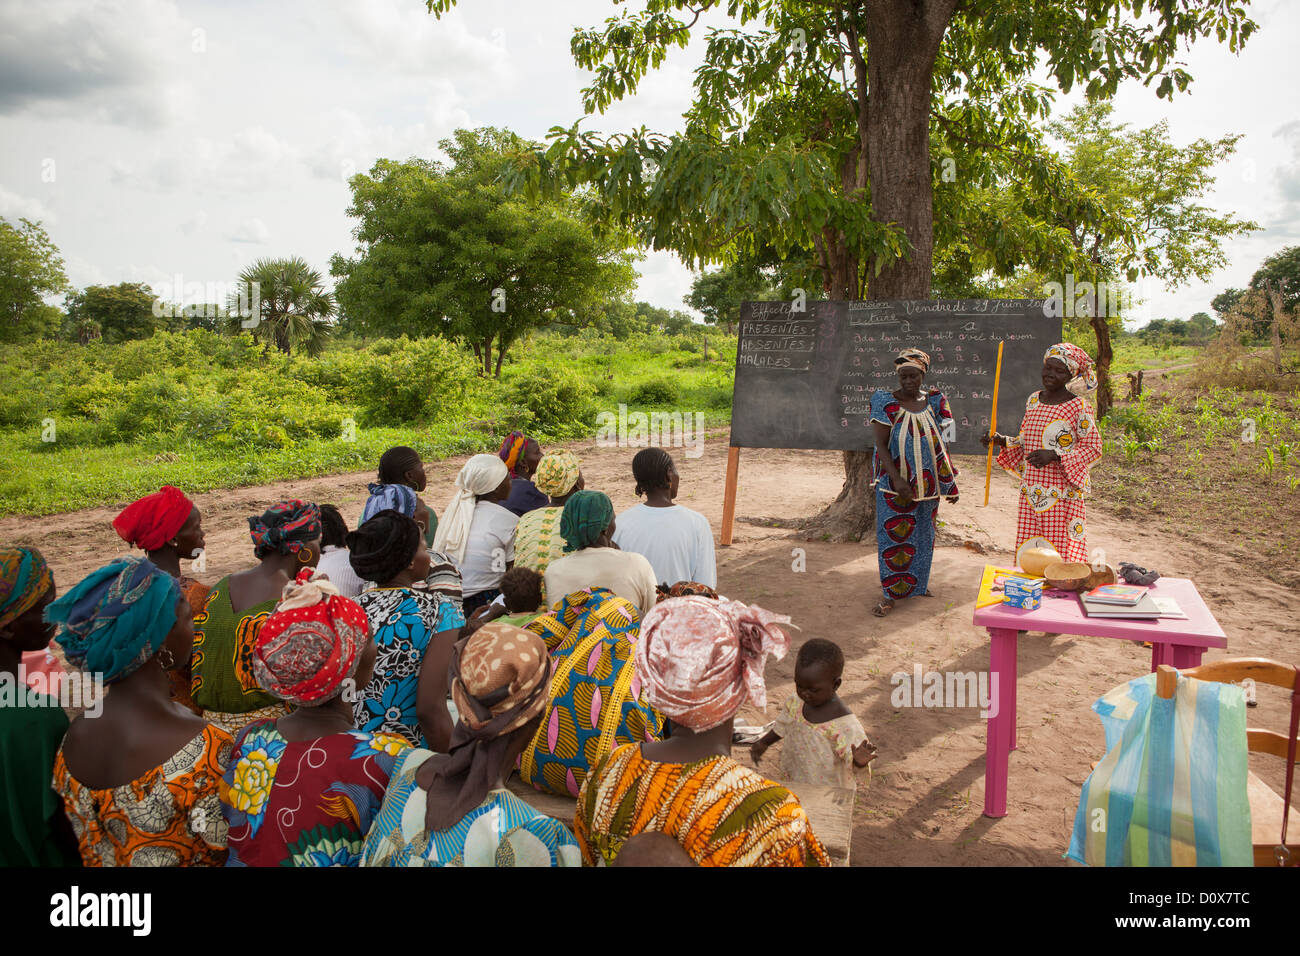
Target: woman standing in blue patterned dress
pixel 910 479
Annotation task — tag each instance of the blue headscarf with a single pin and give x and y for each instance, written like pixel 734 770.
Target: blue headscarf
pixel 383 497
pixel 116 618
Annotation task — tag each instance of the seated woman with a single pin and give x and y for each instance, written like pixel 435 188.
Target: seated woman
pixel 167 526
pixel 414 627
pixel 401 479
pixel 537 536
pixel 522 455
pixel 140 781
pixel 303 790
pixel 595 697
pixel 454 809
pixel 591 558
pixel 286 538
pixel 677 541
pixel 476 532
pixel 34 830
pixel 699 660
pixel 334 563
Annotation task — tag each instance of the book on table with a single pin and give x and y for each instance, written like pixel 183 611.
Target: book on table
pixel 1127 595
pixel 1148 608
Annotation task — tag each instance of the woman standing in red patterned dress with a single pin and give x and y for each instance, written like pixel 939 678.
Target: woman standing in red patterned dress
pixel 1056 447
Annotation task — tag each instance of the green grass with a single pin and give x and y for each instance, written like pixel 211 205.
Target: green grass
pixel 267 441
pixel 284 416
pixel 1131 356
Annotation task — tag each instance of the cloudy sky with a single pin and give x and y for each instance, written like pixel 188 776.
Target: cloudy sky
pixel 157 138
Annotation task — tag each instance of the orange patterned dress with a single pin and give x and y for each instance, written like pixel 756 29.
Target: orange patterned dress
pixel 723 814
pixel 169 817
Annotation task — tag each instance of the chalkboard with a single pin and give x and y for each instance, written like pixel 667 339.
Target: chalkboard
pixel 805 379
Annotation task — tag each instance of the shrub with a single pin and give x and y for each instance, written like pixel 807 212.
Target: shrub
pixel 401 380
pixel 656 391
pixel 556 397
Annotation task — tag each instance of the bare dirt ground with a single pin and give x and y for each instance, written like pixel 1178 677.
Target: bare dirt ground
pixel 924 804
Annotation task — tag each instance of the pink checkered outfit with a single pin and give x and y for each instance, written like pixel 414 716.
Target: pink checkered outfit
pixel 1051 498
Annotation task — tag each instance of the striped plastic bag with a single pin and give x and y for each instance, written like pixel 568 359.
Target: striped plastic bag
pixel 1171 790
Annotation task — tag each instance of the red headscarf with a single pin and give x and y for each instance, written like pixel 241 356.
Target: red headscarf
pixel 149 523
pixel 311 643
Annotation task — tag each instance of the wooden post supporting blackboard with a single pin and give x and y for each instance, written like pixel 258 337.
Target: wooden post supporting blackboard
pixel 729 495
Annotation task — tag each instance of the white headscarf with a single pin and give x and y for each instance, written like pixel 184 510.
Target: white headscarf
pixel 480 476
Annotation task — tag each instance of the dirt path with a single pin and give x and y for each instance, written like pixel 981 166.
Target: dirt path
pixel 925 802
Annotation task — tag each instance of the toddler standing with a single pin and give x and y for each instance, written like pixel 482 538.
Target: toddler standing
pixel 824 741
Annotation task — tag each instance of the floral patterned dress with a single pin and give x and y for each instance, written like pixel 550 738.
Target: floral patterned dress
pixel 817 753
pixel 502 831
pixel 169 817
pixel 304 803
pixel 403 620
pixel 1051 498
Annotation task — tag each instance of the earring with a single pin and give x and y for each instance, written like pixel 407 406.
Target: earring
pixel 172 542
pixel 169 662
pixel 304 555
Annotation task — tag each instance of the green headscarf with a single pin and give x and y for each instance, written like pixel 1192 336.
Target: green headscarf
pixel 586 514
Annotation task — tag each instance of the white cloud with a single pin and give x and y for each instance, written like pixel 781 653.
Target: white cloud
pixel 14 206
pixel 403 37
pixel 114 62
pixel 251 230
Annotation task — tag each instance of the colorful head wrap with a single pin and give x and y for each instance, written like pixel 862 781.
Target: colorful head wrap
pixel 685 589
pixel 24 579
pixel 1078 362
pixel 382 547
pixel 116 618
pixel 586 514
pixel 512 450
pixel 913 358
pixel 385 497
pixel 311 643
pixel 285 528
pixel 557 473
pixel 500 680
pixel 150 521
pixel 500 669
pixel 701 659
pixel 480 476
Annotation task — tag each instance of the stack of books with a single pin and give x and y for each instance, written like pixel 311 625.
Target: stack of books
pixel 1128 601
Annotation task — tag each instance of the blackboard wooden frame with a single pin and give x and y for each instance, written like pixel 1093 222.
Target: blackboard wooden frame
pixel 804 377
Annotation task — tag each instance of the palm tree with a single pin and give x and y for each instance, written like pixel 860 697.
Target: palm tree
pixel 294 312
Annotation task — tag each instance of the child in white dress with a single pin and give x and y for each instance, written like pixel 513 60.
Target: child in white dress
pixel 823 741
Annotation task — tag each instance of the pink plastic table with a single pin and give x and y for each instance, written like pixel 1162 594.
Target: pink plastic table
pixel 1174 641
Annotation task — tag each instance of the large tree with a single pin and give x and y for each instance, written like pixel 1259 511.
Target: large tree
pixel 30 270
pixel 1281 272
pixel 1154 186
pixel 293 310
pixel 119 312
pixel 443 250
pixel 813 133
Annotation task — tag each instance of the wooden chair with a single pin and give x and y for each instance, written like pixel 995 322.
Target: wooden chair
pixel 1265 804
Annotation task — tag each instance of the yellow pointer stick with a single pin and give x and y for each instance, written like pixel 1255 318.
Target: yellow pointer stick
pixel 993 427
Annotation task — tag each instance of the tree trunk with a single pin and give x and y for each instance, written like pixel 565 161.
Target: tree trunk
pixel 1104 356
pixel 501 354
pixel 892 159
